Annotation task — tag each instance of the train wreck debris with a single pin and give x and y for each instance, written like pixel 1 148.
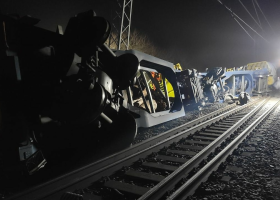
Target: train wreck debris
pixel 59 90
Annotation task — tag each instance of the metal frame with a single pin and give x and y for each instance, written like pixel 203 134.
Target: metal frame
pixel 129 96
pixel 166 68
pixel 257 84
pixel 152 110
pixel 197 93
pixel 230 78
pixel 123 18
pixel 142 95
pixel 166 92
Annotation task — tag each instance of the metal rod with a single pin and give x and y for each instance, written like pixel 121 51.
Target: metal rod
pixel 105 48
pixel 221 84
pixel 144 99
pixel 233 86
pixel 259 83
pixel 128 35
pixel 121 31
pixel 242 83
pixel 18 73
pixel 106 118
pixel 129 96
pixel 148 92
pixel 165 91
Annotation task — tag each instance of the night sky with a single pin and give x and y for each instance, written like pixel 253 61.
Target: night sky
pixel 197 33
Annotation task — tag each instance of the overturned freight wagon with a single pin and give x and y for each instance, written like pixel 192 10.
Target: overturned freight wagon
pixel 254 79
pixel 154 97
pixel 66 90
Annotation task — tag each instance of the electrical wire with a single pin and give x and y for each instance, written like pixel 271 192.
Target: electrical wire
pixel 256 12
pixel 250 14
pixel 243 28
pixel 264 15
pixel 235 15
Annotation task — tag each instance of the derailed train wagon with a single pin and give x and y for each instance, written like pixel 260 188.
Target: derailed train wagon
pixel 64 90
pixel 253 79
pixel 59 91
pixel 229 84
pixel 154 97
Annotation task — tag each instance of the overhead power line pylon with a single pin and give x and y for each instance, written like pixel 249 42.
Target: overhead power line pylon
pixel 121 22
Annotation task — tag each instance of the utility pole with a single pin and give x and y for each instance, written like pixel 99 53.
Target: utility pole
pixel 121 22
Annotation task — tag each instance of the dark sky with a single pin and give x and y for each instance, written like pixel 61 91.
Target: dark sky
pixel 196 33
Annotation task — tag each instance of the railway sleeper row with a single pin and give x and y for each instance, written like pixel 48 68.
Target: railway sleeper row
pixel 136 180
pixel 155 175
pixel 228 164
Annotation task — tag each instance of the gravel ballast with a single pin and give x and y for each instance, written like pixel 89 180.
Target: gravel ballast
pixel 252 171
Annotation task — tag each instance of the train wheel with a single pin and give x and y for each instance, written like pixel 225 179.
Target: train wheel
pixel 243 98
pixel 123 131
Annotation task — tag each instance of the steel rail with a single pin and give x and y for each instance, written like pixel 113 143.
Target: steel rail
pixel 188 125
pixel 169 182
pixel 187 188
pixel 82 177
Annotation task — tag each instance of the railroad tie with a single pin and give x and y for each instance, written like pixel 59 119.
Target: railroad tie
pixel 226 124
pixel 125 187
pixel 240 114
pixel 197 142
pixel 214 131
pixel 223 126
pixel 189 153
pixel 204 138
pixel 191 147
pixel 219 128
pixel 171 158
pixel 144 175
pixel 235 118
pixel 209 134
pixel 230 121
pixel 160 166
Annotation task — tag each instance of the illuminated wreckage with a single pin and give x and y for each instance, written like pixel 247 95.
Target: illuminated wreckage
pixel 61 90
pixel 231 85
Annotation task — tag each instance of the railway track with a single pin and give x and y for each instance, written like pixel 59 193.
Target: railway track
pixel 252 170
pixel 152 168
pixel 190 185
